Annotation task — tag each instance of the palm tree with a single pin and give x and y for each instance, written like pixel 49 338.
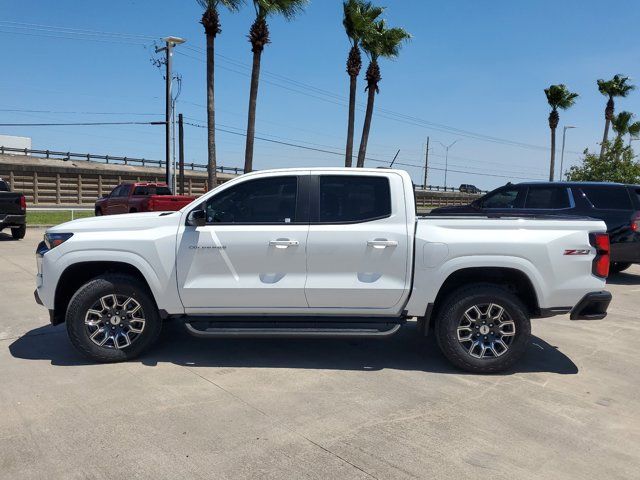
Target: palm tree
pixel 211 22
pixel 358 20
pixel 379 42
pixel 622 125
pixel 559 97
pixel 259 38
pixel 616 87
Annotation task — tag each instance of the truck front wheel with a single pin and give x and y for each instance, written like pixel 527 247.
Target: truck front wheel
pixel 112 318
pixel 483 328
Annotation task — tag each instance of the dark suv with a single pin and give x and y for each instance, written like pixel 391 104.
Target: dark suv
pixel 617 204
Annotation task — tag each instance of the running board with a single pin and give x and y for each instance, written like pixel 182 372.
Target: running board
pixel 265 329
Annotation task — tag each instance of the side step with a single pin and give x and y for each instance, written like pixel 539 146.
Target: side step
pixel 289 328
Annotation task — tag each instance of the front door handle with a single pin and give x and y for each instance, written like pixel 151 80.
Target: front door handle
pixel 284 243
pixel 382 243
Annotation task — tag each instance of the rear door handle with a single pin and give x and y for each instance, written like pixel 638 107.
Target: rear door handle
pixel 382 243
pixel 284 243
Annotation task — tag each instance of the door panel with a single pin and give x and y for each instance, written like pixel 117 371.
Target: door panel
pixel 355 263
pixel 242 266
pixel 252 252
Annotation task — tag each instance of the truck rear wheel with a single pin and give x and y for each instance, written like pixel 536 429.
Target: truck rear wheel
pixel 112 318
pixel 19 232
pixel 483 328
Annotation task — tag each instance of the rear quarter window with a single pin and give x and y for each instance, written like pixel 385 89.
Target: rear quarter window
pixel 607 198
pixel 548 198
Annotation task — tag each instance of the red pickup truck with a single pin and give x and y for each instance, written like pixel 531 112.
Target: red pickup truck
pixel 140 197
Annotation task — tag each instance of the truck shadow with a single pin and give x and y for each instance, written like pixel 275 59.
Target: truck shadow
pixel 403 351
pixel 623 278
pixel 5 237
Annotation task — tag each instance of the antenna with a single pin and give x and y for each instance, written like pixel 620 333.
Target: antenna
pixel 394 158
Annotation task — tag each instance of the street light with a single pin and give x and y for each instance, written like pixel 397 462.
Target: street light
pixel 564 134
pixel 446 160
pixel 170 42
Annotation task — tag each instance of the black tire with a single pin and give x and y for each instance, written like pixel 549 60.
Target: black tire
pixel 90 293
pixel 98 212
pixel 452 313
pixel 617 267
pixel 19 232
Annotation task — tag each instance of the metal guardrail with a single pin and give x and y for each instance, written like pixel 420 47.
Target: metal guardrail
pixel 145 162
pixel 438 188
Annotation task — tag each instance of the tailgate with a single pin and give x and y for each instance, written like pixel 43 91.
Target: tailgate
pixel 10 204
pixel 169 202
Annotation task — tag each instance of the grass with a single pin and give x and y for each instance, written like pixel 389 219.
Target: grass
pixel 54 217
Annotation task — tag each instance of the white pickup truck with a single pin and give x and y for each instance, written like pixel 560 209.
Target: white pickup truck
pixel 320 252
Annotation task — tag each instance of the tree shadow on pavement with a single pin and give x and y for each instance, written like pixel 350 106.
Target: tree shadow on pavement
pixel 406 350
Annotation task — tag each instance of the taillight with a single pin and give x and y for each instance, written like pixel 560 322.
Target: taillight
pixel 635 222
pixel 23 202
pixel 600 265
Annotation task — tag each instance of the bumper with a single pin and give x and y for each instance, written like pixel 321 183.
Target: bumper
pixel 593 306
pixel 39 302
pixel 12 221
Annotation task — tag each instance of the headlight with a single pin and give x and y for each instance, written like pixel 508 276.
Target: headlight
pixel 52 240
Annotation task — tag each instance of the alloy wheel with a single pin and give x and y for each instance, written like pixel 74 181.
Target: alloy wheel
pixel 114 321
pixel 486 330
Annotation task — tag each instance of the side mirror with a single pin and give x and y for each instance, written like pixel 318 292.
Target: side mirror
pixel 197 218
pixel 105 195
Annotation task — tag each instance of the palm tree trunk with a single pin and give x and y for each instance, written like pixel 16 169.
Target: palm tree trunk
pixel 251 122
pixel 212 175
pixel 353 83
pixel 552 166
pixel 362 153
pixel 608 115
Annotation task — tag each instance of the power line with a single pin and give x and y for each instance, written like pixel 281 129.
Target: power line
pixel 115 37
pixel 386 162
pixel 77 124
pixel 22 110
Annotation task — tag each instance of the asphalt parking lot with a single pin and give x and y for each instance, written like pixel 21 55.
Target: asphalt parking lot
pixel 393 408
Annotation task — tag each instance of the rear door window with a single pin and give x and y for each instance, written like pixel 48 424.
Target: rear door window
pixel 504 198
pixel 607 197
pixel 547 198
pixel 351 198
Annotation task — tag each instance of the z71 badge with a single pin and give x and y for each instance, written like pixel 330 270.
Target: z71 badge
pixel 577 252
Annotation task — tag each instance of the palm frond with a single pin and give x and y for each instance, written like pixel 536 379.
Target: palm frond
pixel 384 42
pixel 358 18
pixel 621 123
pixel 559 97
pixel 233 5
pixel 618 86
pixel 634 131
pixel 287 8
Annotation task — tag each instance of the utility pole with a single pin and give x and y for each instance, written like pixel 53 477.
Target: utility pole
pixel 170 42
pixel 446 160
pixel 181 152
pixel 564 134
pixel 426 165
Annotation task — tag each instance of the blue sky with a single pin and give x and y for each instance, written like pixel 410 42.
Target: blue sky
pixel 476 66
